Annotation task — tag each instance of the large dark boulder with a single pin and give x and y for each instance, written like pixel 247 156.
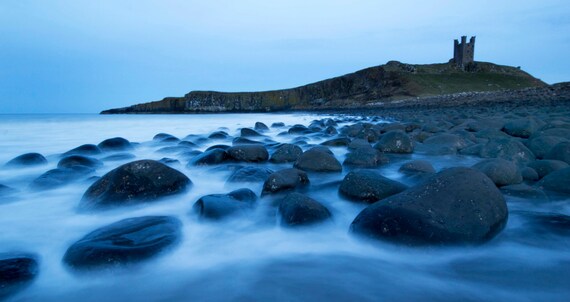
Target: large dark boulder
pixel 134 183
pixel 368 186
pixel 507 148
pixel 285 180
pixel 16 272
pixel 297 210
pixel 418 166
pixel 560 152
pixel 248 153
pixel 247 132
pixel 541 145
pixel 455 206
pixel 218 135
pixel 210 157
pixel 365 157
pixel 286 153
pixel 524 127
pixel 556 183
pixel 524 191
pixel 395 141
pixel 444 143
pixel 318 159
pixel 298 129
pixel 259 126
pixel 337 142
pixel 501 172
pixel 250 174
pixel 124 242
pixel 217 206
pixel 59 177
pixel 28 159
pixel 79 160
pixel 547 166
pixel 115 144
pixel 87 149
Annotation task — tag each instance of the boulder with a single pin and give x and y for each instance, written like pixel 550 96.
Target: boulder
pixel 556 183
pixel 245 141
pixel 318 160
pixel 259 126
pixel 509 149
pixel 247 132
pixel 444 143
pixel 210 157
pixel 16 272
pixel 124 242
pixel 28 159
pixel 368 186
pixel 87 149
pixel 365 157
pixel 299 210
pixel 529 174
pixel 524 127
pixel 115 144
pixel 395 141
pixel 134 183
pixel 250 174
pixel 79 160
pixel 298 129
pixel 560 152
pixel 278 125
pixel 162 136
pixel 501 172
pixel 218 135
pixel 286 153
pixel 455 206
pixel 546 166
pixel 541 145
pixel 330 130
pixel 524 191
pixel 248 153
pixel 358 143
pixel 217 206
pixel 59 177
pixel 285 180
pixel 415 167
pixel 337 142
pixel 119 157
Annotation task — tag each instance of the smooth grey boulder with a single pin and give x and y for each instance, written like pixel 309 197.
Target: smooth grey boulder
pixel 300 210
pixel 134 183
pixel 455 206
pixel 560 152
pixel 368 186
pixel 250 174
pixel 28 159
pixel 557 182
pixel 115 144
pixel 541 145
pixel 524 127
pixel 444 143
pixel 365 157
pixel 16 272
pixel 218 206
pixel 59 177
pixel 524 191
pixel 416 167
pixel 87 149
pixel 210 157
pixel 248 153
pixel 318 159
pixel 395 141
pixel 298 129
pixel 259 126
pixel 529 174
pixel 247 132
pixel 285 180
pixel 337 142
pixel 501 172
pixel 547 166
pixel 286 153
pixel 507 148
pixel 79 160
pixel 124 242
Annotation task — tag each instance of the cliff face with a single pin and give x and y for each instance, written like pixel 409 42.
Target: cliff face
pixel 389 82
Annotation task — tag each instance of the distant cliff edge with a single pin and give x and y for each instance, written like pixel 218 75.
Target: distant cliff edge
pixel 384 84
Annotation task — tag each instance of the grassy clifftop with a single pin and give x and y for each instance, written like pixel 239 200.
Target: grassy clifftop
pixel 389 82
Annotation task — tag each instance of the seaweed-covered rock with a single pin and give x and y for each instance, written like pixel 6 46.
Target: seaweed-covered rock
pixel 124 242
pixel 134 183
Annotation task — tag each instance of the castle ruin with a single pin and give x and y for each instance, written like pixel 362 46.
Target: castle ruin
pixel 464 52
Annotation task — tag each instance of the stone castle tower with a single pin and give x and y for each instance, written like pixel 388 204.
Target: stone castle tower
pixel 464 53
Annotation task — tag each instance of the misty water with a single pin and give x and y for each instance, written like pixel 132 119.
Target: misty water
pixel 251 257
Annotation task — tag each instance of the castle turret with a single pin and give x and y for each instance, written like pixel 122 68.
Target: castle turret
pixel 464 52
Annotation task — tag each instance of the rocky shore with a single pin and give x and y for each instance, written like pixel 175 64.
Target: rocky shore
pixel 519 142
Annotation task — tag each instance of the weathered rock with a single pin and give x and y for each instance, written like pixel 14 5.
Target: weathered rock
pixel 248 153
pixel 250 174
pixel 541 145
pixel 330 130
pixel 16 272
pixel 524 127
pixel 115 144
pixel 87 149
pixel 162 136
pixel 358 143
pixel 298 129
pixel 119 157
pixel 545 167
pixel 278 125
pixel 79 160
pixel 337 142
pixel 124 242
pixel 169 161
pixel 174 149
pixel 395 141
pixel 417 167
pixel 247 132
pixel 28 159
pixel 298 210
pixel 259 126
pixel 59 177
pixel 529 174
pixel 217 206
pixel 245 141
pixel 501 172
pixel 318 160
pixel 455 206
pixel 218 135
pixel 219 146
pixel 556 182
pixel 365 157
pixel 285 180
pixel 368 186
pixel 210 157
pixel 508 149
pixel 524 191
pixel 134 183
pixel 560 152
pixel 286 153
pixel 444 143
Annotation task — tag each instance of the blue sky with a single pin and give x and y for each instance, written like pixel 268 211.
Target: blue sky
pixel 86 56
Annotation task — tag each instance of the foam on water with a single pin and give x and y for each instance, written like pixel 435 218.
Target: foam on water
pixel 252 258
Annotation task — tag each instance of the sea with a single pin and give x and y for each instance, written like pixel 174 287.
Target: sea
pixel 253 257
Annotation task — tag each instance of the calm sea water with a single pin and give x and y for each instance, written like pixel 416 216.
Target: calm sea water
pixel 252 258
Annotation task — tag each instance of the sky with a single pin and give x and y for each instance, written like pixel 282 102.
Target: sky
pixel 78 56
